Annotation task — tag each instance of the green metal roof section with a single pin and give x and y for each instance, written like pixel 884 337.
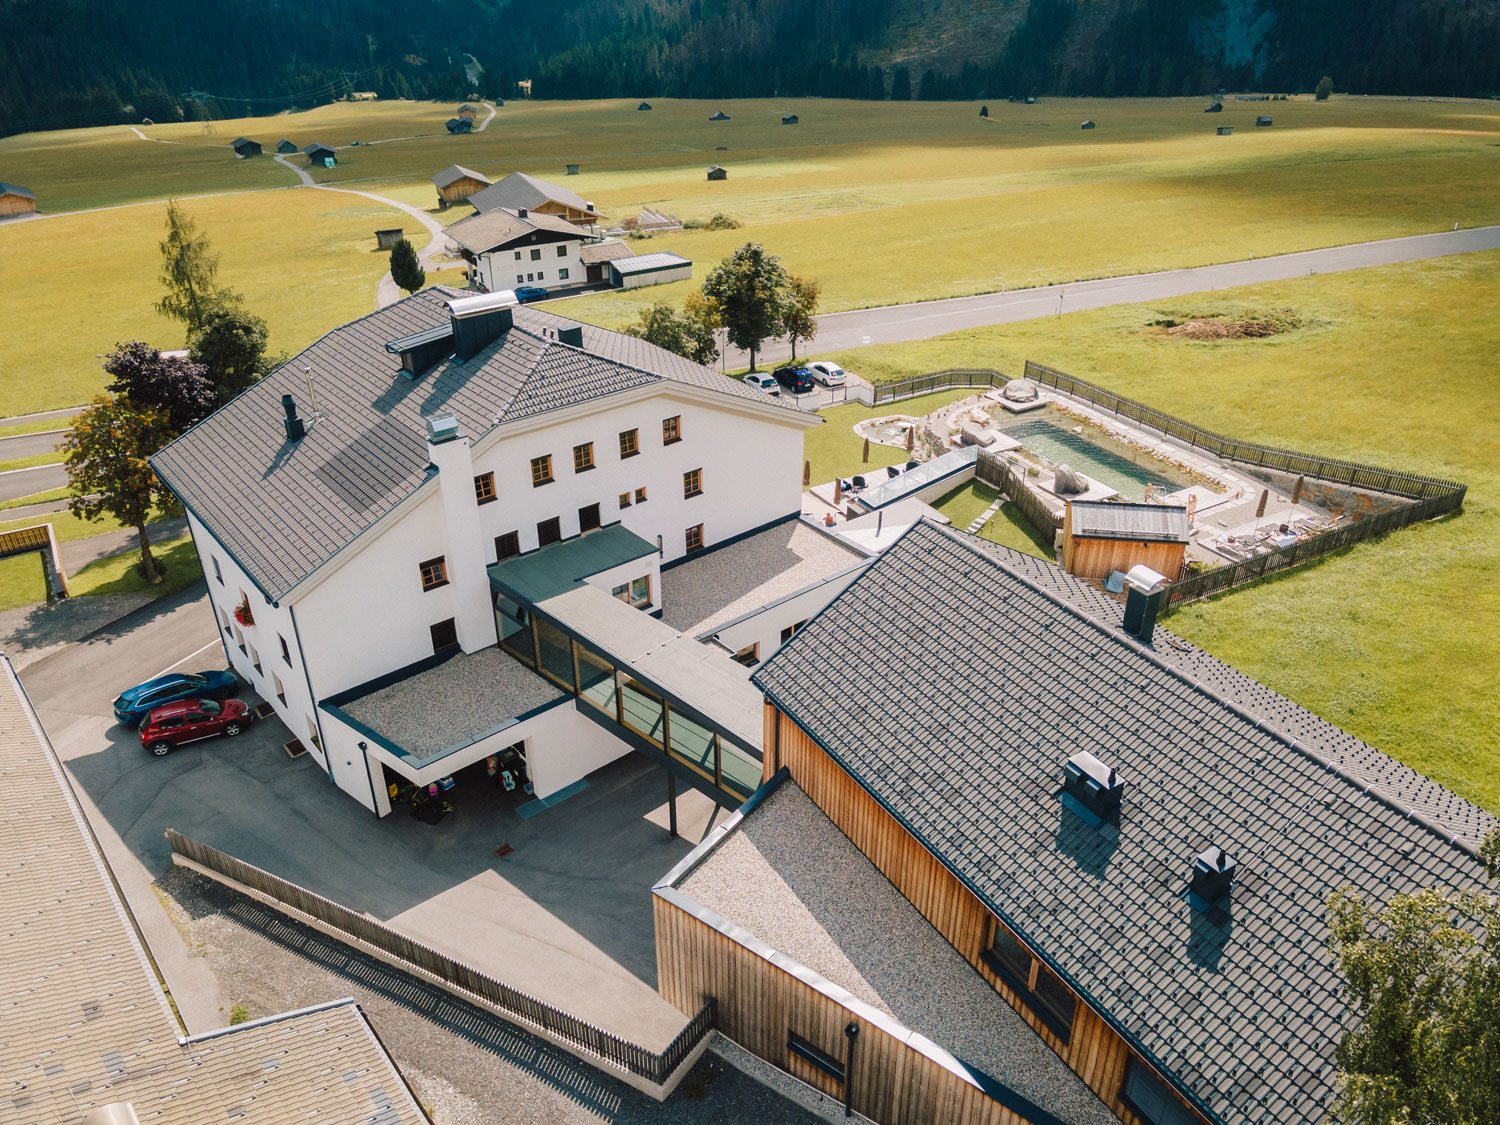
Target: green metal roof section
pixel 559 567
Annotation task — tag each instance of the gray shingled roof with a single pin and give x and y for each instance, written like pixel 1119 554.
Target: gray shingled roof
pixel 482 233
pixel 596 252
pixel 283 510
pixel 964 743
pixel 520 190
pixel 455 172
pixel 646 263
pixel 1106 519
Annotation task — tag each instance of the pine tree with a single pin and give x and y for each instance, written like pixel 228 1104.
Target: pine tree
pixel 901 85
pixel 189 273
pixel 406 271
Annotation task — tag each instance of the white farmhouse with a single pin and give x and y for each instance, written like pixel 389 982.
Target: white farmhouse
pixel 437 539
pixel 508 249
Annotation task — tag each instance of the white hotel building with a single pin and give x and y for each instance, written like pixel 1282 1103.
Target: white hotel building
pixel 459 530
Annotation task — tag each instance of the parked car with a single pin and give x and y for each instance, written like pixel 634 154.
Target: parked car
pixel 132 704
pixel 829 374
pixel 795 379
pixel 763 382
pixel 176 724
pixel 528 293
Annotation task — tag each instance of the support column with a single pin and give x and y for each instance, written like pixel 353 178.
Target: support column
pixel 672 803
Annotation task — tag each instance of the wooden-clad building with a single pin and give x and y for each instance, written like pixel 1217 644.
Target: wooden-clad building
pixel 1094 821
pixel 456 183
pixel 520 192
pixel 467 112
pixel 1101 537
pixel 16 200
pixel 285 146
pixel 320 154
pixel 457 125
pixel 715 172
pixel 244 147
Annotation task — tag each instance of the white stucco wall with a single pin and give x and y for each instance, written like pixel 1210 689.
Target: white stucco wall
pixel 501 269
pixel 655 277
pixel 764 627
pixel 648 567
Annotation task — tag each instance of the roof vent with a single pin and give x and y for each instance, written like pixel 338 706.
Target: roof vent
pixel 296 429
pixel 1143 601
pixel 571 333
pixel 521 212
pixel 1091 790
pixel 479 321
pixel 1211 878
pixel 421 350
pixel 441 428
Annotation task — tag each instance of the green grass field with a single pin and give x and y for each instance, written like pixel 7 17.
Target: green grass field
pixel 1393 640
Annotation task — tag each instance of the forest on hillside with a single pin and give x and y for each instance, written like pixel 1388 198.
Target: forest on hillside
pixel 82 62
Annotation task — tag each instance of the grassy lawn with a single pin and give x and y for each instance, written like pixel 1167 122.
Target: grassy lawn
pixel 1395 640
pixel 836 450
pixel 40 426
pixel 51 457
pixel 1007 527
pixel 35 498
pixel 120 574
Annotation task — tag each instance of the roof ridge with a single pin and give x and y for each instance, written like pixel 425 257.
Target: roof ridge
pixel 1371 788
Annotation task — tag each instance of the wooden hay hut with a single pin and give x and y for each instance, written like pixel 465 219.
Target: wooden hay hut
pixel 458 125
pixel 1225 130
pixel 467 112
pixel 1263 120
pixel 17 200
pixel 717 173
pixel 1214 107
pixel 456 183
pixel 320 154
pixel 984 111
pixel 285 146
pixel 644 106
pixel 1101 537
pixel 572 169
pixel 244 147
pixel 720 116
pixel 789 119
pixel 1087 125
pixel 385 239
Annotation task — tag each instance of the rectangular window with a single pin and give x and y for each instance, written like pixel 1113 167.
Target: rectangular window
pixel 531 277
pixel 518 258
pixel 640 495
pixel 588 517
pixel 562 250
pixel 694 537
pixel 286 653
pixel 1151 1099
pixel 1036 986
pixel 541 470
pixel 791 630
pixel 556 653
pixel 630 443
pixel 624 499
pixel 255 660
pixel 444 636
pixel 484 487
pixel 219 574
pixel 1054 995
pixel 513 621
pixel 692 483
pixel 596 681
pixel 549 531
pixel 279 687
pixel 642 709
pixel 671 429
pixel 692 744
pixel 434 573
pixel 749 656
pixel 536 255
pixel 637 592
pixel 583 457
pixel 562 274
pixel 1013 956
pixel 520 277
pixel 507 545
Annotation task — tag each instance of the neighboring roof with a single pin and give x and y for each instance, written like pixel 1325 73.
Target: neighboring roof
pixel 491 230
pixel 315 147
pixel 593 253
pixel 454 124
pixel 1144 523
pixel 86 1023
pixel 648 263
pixel 455 172
pixel 1208 757
pixel 16 189
pixel 716 168
pixel 238 141
pixel 285 145
pixel 882 488
pixel 518 190
pixel 283 510
pixel 557 567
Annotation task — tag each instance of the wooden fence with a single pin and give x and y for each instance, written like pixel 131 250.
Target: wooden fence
pixel 585 1039
pixel 997 472
pixel 939 381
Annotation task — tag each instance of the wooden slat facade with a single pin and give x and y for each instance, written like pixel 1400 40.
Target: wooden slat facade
pixel 1094 1051
pixel 1099 558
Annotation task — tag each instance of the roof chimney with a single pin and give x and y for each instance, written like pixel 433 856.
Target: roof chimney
pixel 521 212
pixel 296 429
pixel 1091 790
pixel 570 333
pixel 479 321
pixel 1143 601
pixel 1211 877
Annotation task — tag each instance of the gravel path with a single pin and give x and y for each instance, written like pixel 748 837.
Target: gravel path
pixel 466 1066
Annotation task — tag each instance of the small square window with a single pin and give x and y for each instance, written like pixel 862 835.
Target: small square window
pixel 637 592
pixel 671 429
pixel 624 499
pixel 219 574
pixel 484 487
pixel 583 457
pixel 518 258
pixel 444 636
pixel 588 517
pixel 286 653
pixel 562 274
pixel 791 630
pixel 549 531
pixel 507 545
pixel 1055 996
pixel 692 483
pixel 695 537
pixel 541 470
pixel 536 255
pixel 1011 953
pixel 520 278
pixel 749 656
pixel 279 687
pixel 630 443
pixel 562 250
pixel 640 495
pixel 434 573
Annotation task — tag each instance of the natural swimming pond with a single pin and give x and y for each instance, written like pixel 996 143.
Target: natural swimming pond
pixel 1119 470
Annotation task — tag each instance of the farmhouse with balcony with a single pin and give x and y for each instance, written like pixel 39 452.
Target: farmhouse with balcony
pixel 510 248
pixel 1124 848
pixel 445 536
pixel 518 191
pixel 456 183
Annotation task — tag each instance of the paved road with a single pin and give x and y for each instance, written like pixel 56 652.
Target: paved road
pixel 27 482
pixel 899 323
pixel 40 416
pixel 29 445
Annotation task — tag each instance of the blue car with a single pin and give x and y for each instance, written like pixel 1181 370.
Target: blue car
pixel 133 704
pixel 528 293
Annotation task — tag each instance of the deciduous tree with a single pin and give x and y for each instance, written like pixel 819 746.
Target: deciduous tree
pixel 406 270
pixel 105 456
pixel 749 288
pixel 189 273
pixel 1325 88
pixel 800 319
pixel 1422 977
pixel 688 333
pixel 177 387
pixel 232 350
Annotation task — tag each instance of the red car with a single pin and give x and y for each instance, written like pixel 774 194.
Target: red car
pixel 188 720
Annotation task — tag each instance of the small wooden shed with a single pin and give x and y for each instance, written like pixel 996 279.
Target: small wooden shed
pixel 717 173
pixel 17 200
pixel 1263 120
pixel 1214 107
pixel 720 116
pixel 244 147
pixel 1103 536
pixel 285 146
pixel 789 119
pixel 572 169
pixel 467 112
pixel 456 183
pixel 1087 125
pixel 984 111
pixel 385 239
pixel 1225 130
pixel 320 154
pixel 459 125
pixel 644 106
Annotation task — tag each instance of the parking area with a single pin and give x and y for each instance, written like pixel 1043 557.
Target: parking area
pixel 564 913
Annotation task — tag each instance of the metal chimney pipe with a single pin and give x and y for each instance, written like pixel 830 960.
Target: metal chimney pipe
pixel 296 429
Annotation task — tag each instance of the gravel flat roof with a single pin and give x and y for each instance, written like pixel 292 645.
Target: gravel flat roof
pixel 452 703
pixel 715 588
pixel 791 878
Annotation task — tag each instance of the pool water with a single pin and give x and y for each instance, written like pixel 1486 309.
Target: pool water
pixel 1063 447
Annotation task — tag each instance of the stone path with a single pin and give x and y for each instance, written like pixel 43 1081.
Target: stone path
pixel 985 516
